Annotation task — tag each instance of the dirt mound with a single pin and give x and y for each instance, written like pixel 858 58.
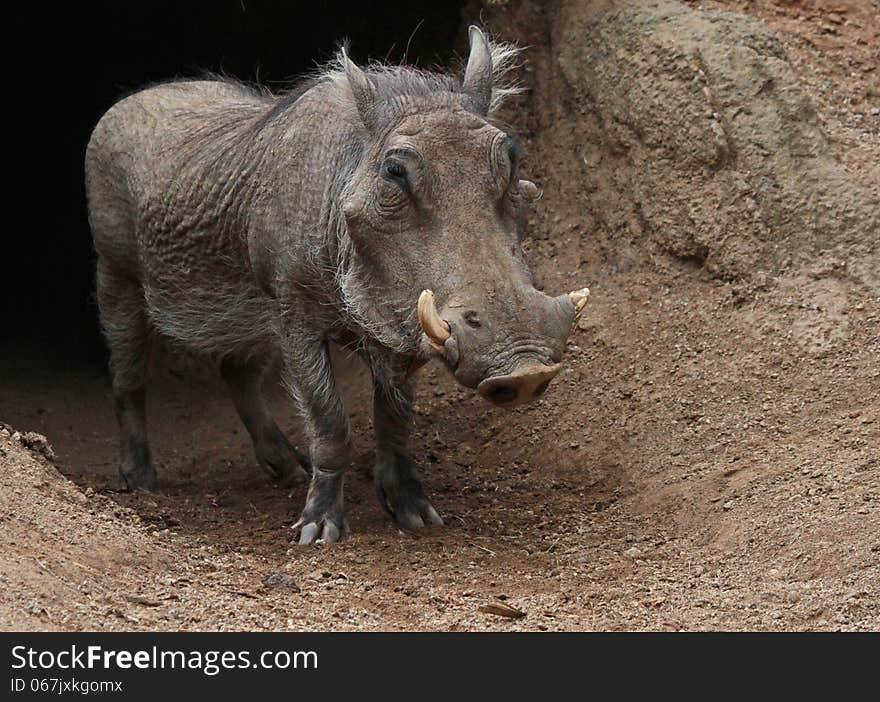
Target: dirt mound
pixel 74 559
pixel 709 457
pixel 63 551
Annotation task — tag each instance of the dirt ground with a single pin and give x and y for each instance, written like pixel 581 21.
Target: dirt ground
pixel 709 459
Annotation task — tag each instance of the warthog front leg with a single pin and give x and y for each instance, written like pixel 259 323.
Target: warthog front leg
pixel 274 452
pixel 309 376
pixel 396 476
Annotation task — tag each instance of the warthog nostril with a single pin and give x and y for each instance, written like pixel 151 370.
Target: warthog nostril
pixel 501 394
pixel 521 386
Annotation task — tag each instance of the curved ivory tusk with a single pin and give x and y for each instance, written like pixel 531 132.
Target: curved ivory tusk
pixel 435 328
pixel 579 299
pixel 529 190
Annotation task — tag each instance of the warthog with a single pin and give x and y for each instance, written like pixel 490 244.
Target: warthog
pixel 246 227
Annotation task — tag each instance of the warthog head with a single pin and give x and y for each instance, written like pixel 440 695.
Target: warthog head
pixel 436 212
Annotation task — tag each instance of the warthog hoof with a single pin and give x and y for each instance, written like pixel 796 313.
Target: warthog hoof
pixel 323 518
pixel 281 460
pixel 139 475
pixel 403 499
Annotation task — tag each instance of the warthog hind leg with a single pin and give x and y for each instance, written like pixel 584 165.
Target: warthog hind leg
pixel 274 452
pixel 125 326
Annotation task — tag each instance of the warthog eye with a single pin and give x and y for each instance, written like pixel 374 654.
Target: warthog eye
pixel 394 170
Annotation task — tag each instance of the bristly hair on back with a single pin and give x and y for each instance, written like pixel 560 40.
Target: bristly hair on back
pixel 392 81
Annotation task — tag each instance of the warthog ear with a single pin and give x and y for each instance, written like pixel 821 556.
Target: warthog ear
pixel 361 87
pixel 477 81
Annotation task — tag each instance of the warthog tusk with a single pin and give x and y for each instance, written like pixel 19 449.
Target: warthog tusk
pixel 434 327
pixel 579 299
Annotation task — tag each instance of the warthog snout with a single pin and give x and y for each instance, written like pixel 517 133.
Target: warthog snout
pixel 519 387
pixel 511 353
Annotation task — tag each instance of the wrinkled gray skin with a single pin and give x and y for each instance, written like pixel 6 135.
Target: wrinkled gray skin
pixel 242 226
